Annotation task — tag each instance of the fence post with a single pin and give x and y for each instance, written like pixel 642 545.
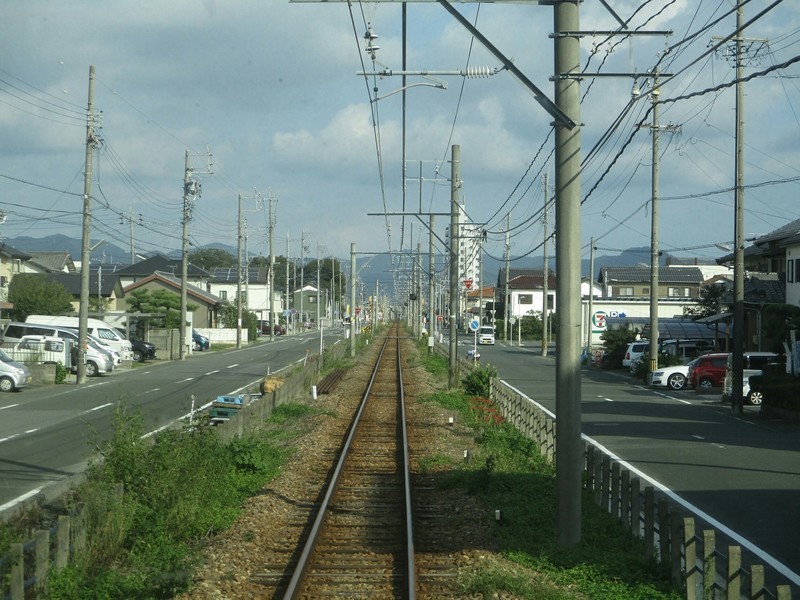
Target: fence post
pixel 42 557
pixel 690 554
pixel 62 542
pixel 757 589
pixel 636 506
pixel 709 563
pixel 734 583
pixel 663 529
pixel 615 500
pixel 649 521
pixel 625 515
pixel 675 543
pixel 17 572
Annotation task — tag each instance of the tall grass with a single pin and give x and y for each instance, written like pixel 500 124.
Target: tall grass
pixel 179 488
pixel 507 472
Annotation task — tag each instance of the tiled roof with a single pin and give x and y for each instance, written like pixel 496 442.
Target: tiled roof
pixel 53 261
pixel 72 281
pixel 161 263
pixel 682 275
pixel 175 282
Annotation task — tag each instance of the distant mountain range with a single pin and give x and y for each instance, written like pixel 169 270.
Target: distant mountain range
pixel 371 268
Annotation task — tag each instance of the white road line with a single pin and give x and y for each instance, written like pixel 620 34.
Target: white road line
pixel 19 499
pixel 232 366
pixel 11 437
pixel 102 406
pixel 32 430
pixel 211 372
pixel 187 379
pixel 698 437
pixel 9 406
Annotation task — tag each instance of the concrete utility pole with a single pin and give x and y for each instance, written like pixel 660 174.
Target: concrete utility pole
pixel 288 292
pixel 654 233
pixel 302 273
pixel 546 273
pixel 188 193
pixel 432 317
pixel 569 449
pixel 507 299
pixel 83 307
pixel 239 277
pixel 751 47
pixel 737 362
pixel 455 185
pixel 272 320
pixel 589 323
pixel 352 300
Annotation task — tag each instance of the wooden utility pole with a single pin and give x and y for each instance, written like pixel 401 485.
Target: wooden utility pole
pixel 546 274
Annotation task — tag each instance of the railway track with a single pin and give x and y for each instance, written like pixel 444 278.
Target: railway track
pixel 361 542
pixel 354 531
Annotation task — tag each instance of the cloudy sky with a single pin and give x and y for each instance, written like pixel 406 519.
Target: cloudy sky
pixel 270 89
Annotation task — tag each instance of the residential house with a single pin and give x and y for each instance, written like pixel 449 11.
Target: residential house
pixel 106 286
pixel 53 262
pixel 223 282
pixel 208 304
pixel 776 252
pixel 309 297
pixel 162 264
pixel 634 282
pixel 485 298
pixel 525 293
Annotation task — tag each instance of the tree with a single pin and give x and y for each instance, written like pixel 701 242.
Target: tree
pixel 37 295
pixel 229 316
pixel 711 302
pixel 159 301
pixel 211 258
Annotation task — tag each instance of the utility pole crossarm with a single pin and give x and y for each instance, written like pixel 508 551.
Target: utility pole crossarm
pixel 558 114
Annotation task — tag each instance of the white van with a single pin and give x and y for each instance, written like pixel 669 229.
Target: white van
pixel 96 327
pixel 486 334
pixel 98 360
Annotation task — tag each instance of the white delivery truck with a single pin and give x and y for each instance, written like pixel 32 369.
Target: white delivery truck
pixel 96 327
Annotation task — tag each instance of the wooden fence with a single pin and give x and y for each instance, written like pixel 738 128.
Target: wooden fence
pixel 697 564
pixel 24 570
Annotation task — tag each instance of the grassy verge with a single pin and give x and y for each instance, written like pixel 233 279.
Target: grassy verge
pixel 178 490
pixel 507 471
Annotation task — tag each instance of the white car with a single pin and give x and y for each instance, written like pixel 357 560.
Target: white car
pixel 674 378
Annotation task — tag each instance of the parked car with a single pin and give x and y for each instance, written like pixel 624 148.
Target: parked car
pixel 142 350
pixel 708 371
pixel 675 377
pixel 200 341
pixel 634 350
pixel 753 363
pixel 13 375
pixel 278 329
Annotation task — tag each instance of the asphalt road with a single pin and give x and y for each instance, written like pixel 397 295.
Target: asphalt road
pixel 742 473
pixel 49 432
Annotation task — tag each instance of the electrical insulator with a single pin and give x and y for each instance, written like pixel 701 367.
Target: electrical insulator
pixel 479 72
pixel 371 48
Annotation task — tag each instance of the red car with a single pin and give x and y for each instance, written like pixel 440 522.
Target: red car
pixel 277 329
pixel 708 371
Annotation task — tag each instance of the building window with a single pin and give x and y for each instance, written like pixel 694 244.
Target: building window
pixel 525 299
pixel 790 271
pixel 678 292
pixel 797 270
pixel 625 291
pixel 223 295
